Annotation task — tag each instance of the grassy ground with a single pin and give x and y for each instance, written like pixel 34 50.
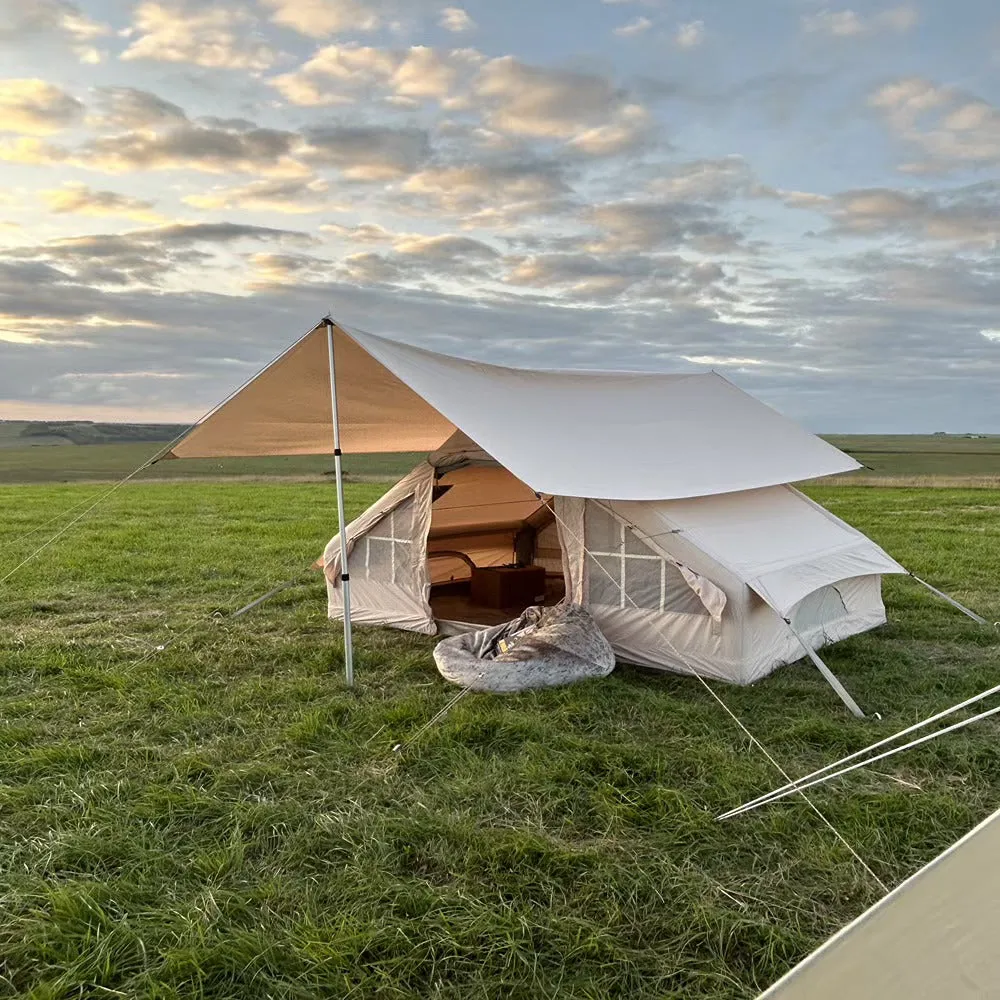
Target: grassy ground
pixel 931 458
pixel 224 819
pixel 110 462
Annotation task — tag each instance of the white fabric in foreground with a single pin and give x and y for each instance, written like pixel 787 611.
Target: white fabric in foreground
pixel 616 435
pixel 934 937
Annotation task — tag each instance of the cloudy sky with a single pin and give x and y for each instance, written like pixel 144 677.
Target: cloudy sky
pixel 804 197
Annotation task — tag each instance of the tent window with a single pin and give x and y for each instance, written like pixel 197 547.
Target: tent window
pixel 385 553
pixel 624 572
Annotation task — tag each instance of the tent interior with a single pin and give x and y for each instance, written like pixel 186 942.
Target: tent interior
pixel 484 516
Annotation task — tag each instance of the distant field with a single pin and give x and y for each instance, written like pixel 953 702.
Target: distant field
pixel 918 460
pixel 35 433
pixel 111 462
pixel 923 457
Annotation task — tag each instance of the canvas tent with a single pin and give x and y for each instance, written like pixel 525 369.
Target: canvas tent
pixel 932 938
pixel 660 501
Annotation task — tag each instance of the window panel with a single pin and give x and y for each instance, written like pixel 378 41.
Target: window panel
pixel 385 553
pixel 601 530
pixel 623 571
pixel 605 575
pixel 643 578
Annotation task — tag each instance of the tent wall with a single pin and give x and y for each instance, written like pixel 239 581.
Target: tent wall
pixel 642 568
pixel 387 559
pixel 748 641
pixel 772 644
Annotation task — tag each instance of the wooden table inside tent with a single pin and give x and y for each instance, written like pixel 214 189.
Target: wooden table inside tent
pixel 508 586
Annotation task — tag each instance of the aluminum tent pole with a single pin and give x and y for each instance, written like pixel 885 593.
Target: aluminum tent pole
pixel 345 577
pixel 831 677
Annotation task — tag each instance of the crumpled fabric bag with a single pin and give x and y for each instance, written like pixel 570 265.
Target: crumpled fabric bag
pixel 544 647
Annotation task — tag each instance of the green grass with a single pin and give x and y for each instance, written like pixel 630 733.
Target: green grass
pixel 225 819
pixel 110 462
pixel 921 456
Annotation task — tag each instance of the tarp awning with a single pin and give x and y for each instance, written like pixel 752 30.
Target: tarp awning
pixel 612 435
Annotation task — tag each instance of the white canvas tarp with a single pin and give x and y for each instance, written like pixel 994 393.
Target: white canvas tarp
pixel 934 937
pixel 619 435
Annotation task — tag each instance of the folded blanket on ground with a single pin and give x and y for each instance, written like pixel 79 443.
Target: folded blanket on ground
pixel 544 647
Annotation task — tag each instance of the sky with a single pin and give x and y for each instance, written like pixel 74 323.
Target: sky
pixel 804 197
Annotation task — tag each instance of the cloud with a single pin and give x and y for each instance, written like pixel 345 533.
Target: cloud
pixel 849 24
pixel 705 180
pixel 636 26
pixel 446 248
pixel 140 257
pixel 456 19
pixel 368 152
pixel 341 74
pixel 968 215
pixel 274 270
pixel 543 103
pixel 951 128
pixel 59 18
pixel 211 36
pixel 336 73
pixel 211 149
pixel 651 225
pixel 294 196
pixel 690 35
pixel 34 107
pixel 605 277
pixel 489 193
pixel 322 18
pixel 79 199
pixel 130 107
pixel 367 232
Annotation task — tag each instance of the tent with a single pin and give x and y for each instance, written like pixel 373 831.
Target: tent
pixel 931 937
pixel 659 501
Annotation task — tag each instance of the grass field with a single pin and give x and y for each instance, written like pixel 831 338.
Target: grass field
pixel 223 818
pixel 917 460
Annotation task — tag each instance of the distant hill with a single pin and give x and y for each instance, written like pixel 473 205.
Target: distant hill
pixel 36 433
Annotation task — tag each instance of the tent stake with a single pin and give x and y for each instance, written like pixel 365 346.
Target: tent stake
pixel 951 600
pixel 345 577
pixel 831 677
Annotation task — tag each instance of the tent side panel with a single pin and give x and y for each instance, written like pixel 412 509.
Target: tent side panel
pixel 387 559
pixel 846 608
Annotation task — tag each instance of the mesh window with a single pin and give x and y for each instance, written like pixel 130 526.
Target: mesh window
pixel 605 582
pixel 602 531
pixel 642 582
pixel 624 572
pixel 385 553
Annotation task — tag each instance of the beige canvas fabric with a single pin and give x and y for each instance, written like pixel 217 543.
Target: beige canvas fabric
pixel 286 409
pixel 932 938
pixel 386 558
pixel 735 635
pixel 625 435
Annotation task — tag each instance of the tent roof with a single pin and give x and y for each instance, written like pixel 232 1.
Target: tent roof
pixel 613 435
pixel 934 935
